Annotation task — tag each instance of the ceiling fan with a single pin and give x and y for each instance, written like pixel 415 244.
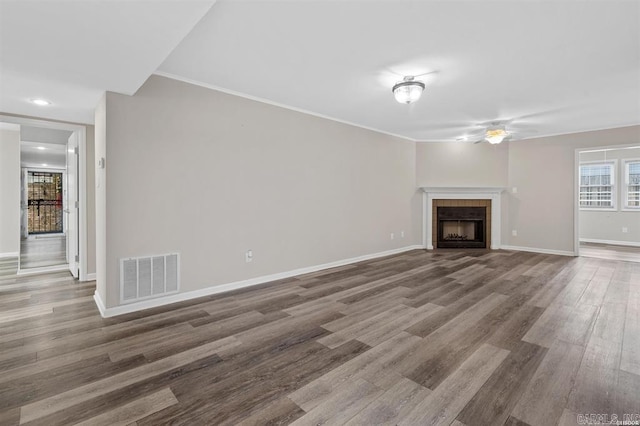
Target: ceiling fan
pixel 495 134
pixel 497 130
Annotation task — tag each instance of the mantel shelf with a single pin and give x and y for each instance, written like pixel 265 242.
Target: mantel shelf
pixel 463 189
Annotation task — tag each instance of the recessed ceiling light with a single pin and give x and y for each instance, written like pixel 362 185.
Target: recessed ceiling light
pixel 44 164
pixel 41 102
pixel 41 148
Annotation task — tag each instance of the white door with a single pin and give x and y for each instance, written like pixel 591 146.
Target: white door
pixel 71 209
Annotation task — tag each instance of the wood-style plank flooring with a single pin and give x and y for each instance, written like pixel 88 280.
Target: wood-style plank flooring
pixel 43 250
pixel 611 252
pixel 420 338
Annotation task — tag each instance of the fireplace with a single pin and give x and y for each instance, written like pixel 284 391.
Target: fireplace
pixel 438 196
pixel 462 227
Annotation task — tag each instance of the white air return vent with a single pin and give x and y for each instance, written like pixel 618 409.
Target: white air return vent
pixel 148 277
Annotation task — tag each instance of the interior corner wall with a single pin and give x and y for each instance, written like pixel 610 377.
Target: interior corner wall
pixel 605 225
pixel 90 199
pixel 211 175
pixel 543 171
pixel 9 192
pixel 99 150
pixel 461 164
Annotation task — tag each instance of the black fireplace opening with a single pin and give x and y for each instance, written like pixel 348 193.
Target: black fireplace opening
pixel 462 227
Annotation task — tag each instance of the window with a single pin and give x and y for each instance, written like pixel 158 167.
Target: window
pixel 632 184
pixel 597 185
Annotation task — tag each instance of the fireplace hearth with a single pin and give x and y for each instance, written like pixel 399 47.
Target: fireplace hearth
pixel 461 227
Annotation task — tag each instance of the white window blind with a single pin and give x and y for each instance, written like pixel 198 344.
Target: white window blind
pixel 632 184
pixel 597 185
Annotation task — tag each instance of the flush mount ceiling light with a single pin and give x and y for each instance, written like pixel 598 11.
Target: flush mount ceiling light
pixel 41 102
pixel 408 90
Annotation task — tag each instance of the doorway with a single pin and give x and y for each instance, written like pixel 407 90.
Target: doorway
pixel 50 225
pixel 44 243
pixel 608 203
pixel 44 202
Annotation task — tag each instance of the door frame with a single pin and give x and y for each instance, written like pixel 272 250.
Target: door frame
pixel 64 183
pixel 81 131
pixel 576 187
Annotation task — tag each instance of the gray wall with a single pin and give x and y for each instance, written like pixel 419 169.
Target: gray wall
pixel 462 164
pixel 100 146
pixel 606 225
pixel 91 201
pixel 542 170
pixel 210 175
pixel 543 209
pixel 9 192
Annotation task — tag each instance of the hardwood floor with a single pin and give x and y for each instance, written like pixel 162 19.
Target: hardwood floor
pixel 611 252
pixel 42 251
pixel 442 337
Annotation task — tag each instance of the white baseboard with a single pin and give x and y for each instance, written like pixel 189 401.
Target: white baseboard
pixel 10 254
pixel 100 304
pixel 610 242
pixel 538 250
pixel 43 270
pixel 91 277
pixel 180 297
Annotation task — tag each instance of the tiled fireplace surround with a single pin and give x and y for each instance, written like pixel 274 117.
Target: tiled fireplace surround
pixel 462 196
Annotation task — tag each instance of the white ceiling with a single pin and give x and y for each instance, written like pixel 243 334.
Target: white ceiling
pixel 42 135
pixel 552 67
pixel 70 52
pixel 43 155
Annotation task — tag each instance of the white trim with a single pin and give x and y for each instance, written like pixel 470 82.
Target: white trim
pixel 465 193
pixel 614 184
pixel 9 254
pixel 624 185
pixel 82 203
pixel 277 104
pixel 180 297
pixel 91 277
pixel 100 305
pixel 610 242
pixel 43 270
pixel 81 129
pixel 576 202
pixel 576 188
pixel 540 250
pixel 598 209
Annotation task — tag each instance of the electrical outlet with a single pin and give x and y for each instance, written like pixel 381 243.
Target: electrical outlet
pixel 248 256
pixel 625 229
pixel 514 233
pixel 514 190
pixel 401 234
pixel 392 236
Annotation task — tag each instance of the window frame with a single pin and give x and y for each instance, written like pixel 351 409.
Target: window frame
pixel 614 185
pixel 624 185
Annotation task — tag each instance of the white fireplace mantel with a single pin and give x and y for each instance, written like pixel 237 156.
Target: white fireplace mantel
pixel 462 193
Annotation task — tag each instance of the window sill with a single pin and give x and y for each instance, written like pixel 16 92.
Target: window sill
pixel 598 209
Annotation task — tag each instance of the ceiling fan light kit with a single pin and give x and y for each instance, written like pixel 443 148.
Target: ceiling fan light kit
pixel 408 90
pixel 495 136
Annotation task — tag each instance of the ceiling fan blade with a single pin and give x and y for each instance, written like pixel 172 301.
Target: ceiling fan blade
pixel 481 140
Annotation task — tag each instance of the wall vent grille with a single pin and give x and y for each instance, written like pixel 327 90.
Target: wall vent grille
pixel 148 277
